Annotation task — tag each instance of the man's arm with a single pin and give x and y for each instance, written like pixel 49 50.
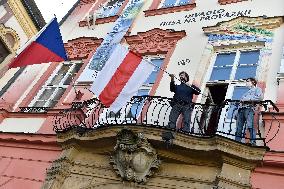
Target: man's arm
pixel 172 84
pixel 256 96
pixel 196 90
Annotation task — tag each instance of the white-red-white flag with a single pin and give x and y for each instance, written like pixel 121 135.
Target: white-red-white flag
pixel 121 77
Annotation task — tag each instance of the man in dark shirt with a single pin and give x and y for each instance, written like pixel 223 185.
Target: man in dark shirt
pixel 182 101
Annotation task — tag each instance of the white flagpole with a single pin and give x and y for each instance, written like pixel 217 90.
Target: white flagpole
pixel 174 76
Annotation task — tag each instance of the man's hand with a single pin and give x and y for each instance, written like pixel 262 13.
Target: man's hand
pixel 172 76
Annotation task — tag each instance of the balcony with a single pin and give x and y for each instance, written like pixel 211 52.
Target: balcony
pixel 207 120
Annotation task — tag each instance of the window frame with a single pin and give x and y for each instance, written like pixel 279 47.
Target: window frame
pixel 57 87
pixel 99 11
pixel 235 64
pixel 225 120
pixel 176 4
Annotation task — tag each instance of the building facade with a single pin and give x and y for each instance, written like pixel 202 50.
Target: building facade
pixel 24 156
pixel 219 43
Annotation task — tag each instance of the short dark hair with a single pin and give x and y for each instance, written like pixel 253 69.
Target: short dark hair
pixel 186 75
pixel 252 80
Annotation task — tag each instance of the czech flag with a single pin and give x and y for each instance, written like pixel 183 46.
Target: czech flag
pixel 121 77
pixel 46 46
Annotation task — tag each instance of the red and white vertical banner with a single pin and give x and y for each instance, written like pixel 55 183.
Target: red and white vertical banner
pixel 121 77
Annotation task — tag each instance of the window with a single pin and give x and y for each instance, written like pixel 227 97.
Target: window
pixel 247 64
pixel 172 3
pixel 225 83
pixel 56 85
pixel 4 52
pixel 235 65
pixel 136 108
pixel 111 8
pixel 223 66
pixel 152 78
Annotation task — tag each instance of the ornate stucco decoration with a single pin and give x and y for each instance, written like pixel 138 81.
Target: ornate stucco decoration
pixel 23 17
pixel 243 30
pixel 134 158
pixel 249 26
pixel 9 37
pixel 154 41
pixel 80 48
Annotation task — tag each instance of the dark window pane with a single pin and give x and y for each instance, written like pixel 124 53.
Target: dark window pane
pixel 56 80
pixel 249 57
pixel 60 74
pixel 52 103
pixel 111 8
pixel 222 73
pixel 39 104
pixel 68 79
pixel 244 72
pixel 64 69
pixel 225 59
pixel 77 68
pixel 113 2
pixel 46 94
pixel 4 52
pixel 59 93
pixel 112 114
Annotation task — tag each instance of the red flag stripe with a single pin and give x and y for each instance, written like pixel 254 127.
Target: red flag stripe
pixel 35 53
pixel 120 78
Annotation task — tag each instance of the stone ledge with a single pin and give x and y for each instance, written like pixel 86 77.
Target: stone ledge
pixel 183 142
pixel 224 2
pixel 167 10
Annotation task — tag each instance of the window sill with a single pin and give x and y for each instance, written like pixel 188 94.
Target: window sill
pixel 224 2
pixel 167 10
pixel 109 19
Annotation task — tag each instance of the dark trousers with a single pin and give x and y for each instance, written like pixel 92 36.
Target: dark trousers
pixel 245 115
pixel 178 109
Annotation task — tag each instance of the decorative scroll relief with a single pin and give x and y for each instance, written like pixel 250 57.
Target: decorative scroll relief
pixel 251 23
pixel 154 41
pixel 249 29
pixel 242 30
pixel 134 158
pixel 80 48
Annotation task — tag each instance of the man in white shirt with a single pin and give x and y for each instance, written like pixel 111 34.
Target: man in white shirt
pixel 246 110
